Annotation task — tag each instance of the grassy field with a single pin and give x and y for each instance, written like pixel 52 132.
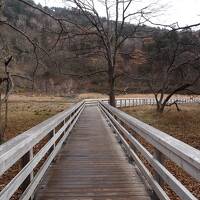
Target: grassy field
pixel 184 125
pixel 25 112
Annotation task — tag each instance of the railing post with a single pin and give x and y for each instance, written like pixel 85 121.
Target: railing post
pixel 54 132
pixel 160 158
pixel 24 161
pixel 64 122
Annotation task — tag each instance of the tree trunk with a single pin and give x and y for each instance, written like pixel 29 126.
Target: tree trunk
pixel 112 97
pixel 1 123
pixel 161 107
pixel 160 104
pixel 111 87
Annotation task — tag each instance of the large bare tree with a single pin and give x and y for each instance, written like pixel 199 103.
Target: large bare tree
pixel 114 29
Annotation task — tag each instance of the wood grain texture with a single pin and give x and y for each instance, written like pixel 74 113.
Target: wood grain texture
pixel 185 156
pixel 92 166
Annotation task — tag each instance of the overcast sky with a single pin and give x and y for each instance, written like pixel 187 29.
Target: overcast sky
pixel 184 12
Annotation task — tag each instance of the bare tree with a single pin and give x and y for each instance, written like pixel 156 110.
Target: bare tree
pixel 6 84
pixel 114 30
pixel 175 65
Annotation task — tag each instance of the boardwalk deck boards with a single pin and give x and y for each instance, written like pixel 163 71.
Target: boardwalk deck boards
pixel 92 166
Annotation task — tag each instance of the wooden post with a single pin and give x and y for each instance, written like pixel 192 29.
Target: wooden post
pixel 24 161
pixel 51 135
pixel 159 156
pixel 54 132
pixel 64 122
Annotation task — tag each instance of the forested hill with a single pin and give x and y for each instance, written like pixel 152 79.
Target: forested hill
pixel 71 63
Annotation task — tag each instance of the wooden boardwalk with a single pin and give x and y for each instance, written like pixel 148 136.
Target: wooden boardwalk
pixel 91 166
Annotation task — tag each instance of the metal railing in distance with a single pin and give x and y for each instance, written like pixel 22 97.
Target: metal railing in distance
pixel 165 146
pixel 56 129
pixel 128 102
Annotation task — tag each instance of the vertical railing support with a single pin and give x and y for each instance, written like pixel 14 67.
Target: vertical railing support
pixel 24 161
pixel 160 158
pixel 54 132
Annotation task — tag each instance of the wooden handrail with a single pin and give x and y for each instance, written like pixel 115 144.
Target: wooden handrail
pixel 21 147
pixel 185 156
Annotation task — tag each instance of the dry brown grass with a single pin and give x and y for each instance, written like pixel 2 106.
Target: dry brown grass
pixel 32 98
pixel 92 96
pixel 24 115
pixel 184 125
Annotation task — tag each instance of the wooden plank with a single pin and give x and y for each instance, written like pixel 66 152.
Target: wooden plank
pixel 92 166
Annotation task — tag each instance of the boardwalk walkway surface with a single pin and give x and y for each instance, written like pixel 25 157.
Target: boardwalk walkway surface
pixel 92 166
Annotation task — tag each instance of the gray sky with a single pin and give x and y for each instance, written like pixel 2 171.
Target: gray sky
pixel 184 12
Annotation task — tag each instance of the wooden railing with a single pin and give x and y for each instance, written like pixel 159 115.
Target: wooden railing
pixel 164 147
pixel 128 102
pixel 54 131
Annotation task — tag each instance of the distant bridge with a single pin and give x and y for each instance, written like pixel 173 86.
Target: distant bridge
pixel 91 151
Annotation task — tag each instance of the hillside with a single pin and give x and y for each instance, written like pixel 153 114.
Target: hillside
pixel 39 27
pixel 64 69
